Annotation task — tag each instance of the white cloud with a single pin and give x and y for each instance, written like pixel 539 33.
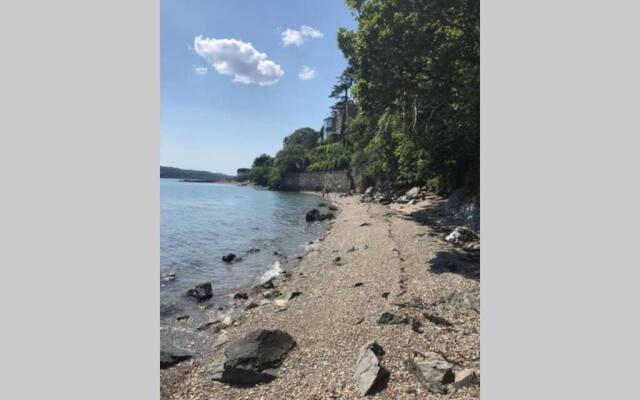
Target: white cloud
pixel 200 70
pixel 297 37
pixel 238 59
pixel 307 73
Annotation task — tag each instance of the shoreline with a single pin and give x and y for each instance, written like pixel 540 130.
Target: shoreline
pixel 382 267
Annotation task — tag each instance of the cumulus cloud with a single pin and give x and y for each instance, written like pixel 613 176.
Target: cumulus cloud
pixel 238 59
pixel 307 73
pixel 200 70
pixel 297 37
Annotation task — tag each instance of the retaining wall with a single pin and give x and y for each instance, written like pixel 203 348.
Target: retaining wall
pixel 332 181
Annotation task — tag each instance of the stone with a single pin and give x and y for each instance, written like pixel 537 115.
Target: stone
pixel 385 294
pixel 241 295
pixel 333 208
pixel 280 303
pixel 464 377
pixel 351 250
pixel 169 310
pixel 227 321
pixel 369 191
pixel 387 318
pixel 214 325
pixel 170 358
pixel 412 193
pixel 169 276
pixel 326 216
pixel 268 284
pixel 251 305
pixel 221 340
pixel 201 292
pixel 228 257
pixel 292 295
pixel 358 284
pixel 433 372
pixel 461 234
pixel 368 372
pixel 322 205
pixel 312 215
pixel 182 317
pixel 271 294
pixel 252 359
pixel 253 250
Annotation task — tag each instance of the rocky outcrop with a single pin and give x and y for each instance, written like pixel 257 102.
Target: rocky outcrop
pixel 254 358
pixel 368 373
pixel 201 292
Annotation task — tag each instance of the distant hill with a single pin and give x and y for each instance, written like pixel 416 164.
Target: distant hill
pixel 177 173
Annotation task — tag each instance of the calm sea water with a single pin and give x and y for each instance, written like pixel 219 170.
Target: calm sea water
pixel 200 222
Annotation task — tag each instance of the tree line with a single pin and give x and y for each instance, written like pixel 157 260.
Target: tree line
pixel 409 100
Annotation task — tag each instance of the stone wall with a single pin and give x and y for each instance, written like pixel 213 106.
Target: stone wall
pixel 333 181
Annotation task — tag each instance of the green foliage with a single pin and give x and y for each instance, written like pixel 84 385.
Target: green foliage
pixel 329 157
pixel 260 169
pixel 306 137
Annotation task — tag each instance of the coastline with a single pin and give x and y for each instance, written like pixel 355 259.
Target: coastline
pixel 383 253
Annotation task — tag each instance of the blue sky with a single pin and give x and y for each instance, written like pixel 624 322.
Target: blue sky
pixel 251 93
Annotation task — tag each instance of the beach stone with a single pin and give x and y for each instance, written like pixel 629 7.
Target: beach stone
pixel 369 191
pixel 387 318
pixel 368 372
pixel 271 294
pixel 170 358
pixel 432 371
pixel 325 216
pixel 268 284
pixel 292 295
pixel 201 292
pixel 241 295
pixel 228 257
pixel 333 208
pixel 254 358
pixel 221 340
pixel 214 325
pixel 251 305
pixel 461 234
pixel 464 377
pixel 227 321
pixel 253 250
pixel 312 215
pixel 182 317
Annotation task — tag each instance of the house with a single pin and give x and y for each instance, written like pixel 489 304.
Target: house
pixel 242 172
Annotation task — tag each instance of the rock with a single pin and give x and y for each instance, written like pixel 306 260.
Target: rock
pixel 351 250
pixel 170 358
pixel 201 292
pixel 385 294
pixel 169 310
pixel 337 259
pixel 472 247
pixel 358 284
pixel 280 303
pixel 369 191
pixel 169 276
pixel 253 250
pixel 227 321
pixel 327 216
pixel 292 295
pixel 271 294
pixel 241 295
pixel 312 215
pixel 182 317
pixel 368 372
pixel 461 234
pixel 252 359
pixel 413 202
pixel 214 325
pixel 228 257
pixel 433 372
pixel 412 193
pixel 221 339
pixel 268 284
pixel 322 205
pixel 464 377
pixel 333 208
pixel 251 305
pixel 365 224
pixel 387 318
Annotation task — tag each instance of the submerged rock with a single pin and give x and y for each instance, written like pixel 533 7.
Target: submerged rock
pixel 169 276
pixel 312 215
pixel 201 292
pixel 368 373
pixel 228 257
pixel 253 359
pixel 241 295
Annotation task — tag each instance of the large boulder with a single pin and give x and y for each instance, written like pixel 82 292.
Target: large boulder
pixel 254 358
pixel 369 191
pixel 201 292
pixel 368 373
pixel 433 372
pixel 313 215
pixel 412 193
pixel 170 358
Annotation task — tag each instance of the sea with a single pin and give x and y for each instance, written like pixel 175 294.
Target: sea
pixel 201 222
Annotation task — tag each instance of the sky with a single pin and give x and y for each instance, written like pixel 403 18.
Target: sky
pixel 237 76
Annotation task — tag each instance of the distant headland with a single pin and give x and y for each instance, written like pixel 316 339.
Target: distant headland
pixel 193 175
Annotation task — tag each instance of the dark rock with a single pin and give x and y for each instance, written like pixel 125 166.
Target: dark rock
pixel 333 208
pixel 268 284
pixel 276 253
pixel 312 215
pixel 352 249
pixel 182 317
pixel 251 305
pixel 433 372
pixel 365 224
pixel 240 295
pixel 387 318
pixel 272 294
pixel 368 373
pixel 169 310
pixel 436 319
pixel 385 294
pixel 358 284
pixel 201 292
pixel 169 358
pixel 292 295
pixel 337 259
pixel 252 359
pixel 327 216
pixel 253 250
pixel 322 205
pixel 228 257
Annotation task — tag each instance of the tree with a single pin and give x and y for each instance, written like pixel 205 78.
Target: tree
pixel 306 137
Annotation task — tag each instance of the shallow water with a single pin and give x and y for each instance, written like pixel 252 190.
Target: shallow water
pixel 199 223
